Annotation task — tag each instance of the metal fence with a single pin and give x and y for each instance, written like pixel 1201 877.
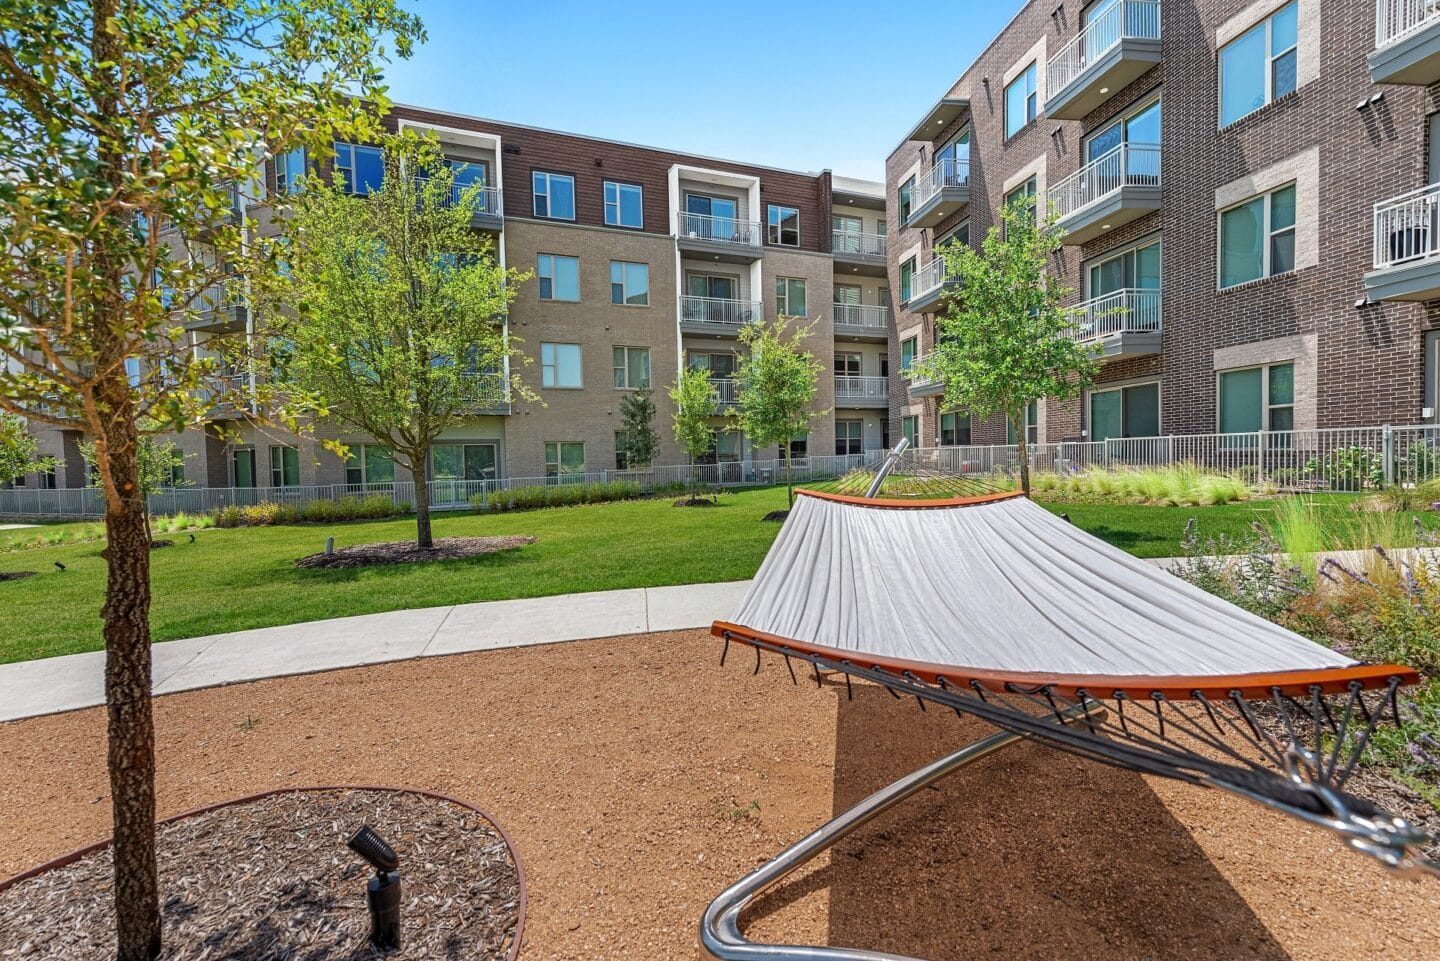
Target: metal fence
pixel 846 241
pixel 444 494
pixel 949 172
pixel 1131 310
pixel 1407 227
pixel 1138 19
pixel 724 230
pixel 1128 165
pixel 1397 18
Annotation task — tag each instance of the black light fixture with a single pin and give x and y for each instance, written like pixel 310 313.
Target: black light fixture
pixel 382 892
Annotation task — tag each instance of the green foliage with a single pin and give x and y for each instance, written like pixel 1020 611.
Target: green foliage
pixel 695 403
pixel 348 508
pixel 777 380
pixel 637 420
pixel 1348 468
pixel 155 461
pixel 17 450
pixel 555 495
pixel 1300 527
pixel 1175 485
pixel 1006 340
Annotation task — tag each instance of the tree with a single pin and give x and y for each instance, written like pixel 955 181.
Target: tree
pixel 17 450
pixel 398 305
pixel 777 380
pixel 1006 341
pixel 639 441
pixel 695 403
pixel 128 129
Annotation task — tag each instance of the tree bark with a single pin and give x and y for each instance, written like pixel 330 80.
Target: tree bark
pixel 789 478
pixel 126 617
pixel 1023 450
pixel 423 538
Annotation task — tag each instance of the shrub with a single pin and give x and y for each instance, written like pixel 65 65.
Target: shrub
pixel 1183 485
pixel 1348 468
pixel 555 495
pixel 348 508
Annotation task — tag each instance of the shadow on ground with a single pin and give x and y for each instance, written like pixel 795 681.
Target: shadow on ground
pixel 1029 853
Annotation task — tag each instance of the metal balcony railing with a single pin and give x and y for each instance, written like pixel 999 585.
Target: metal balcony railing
pixel 857 242
pixel 1128 165
pixel 929 278
pixel 947 173
pixel 856 387
pixel 1395 19
pixel 863 315
pixel 723 230
pixel 910 374
pixel 1407 227
pixel 720 310
pixel 727 391
pixel 486 200
pixel 1128 311
pixel 1126 20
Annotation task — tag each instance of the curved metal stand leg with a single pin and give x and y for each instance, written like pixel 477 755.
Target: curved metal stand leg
pixel 720 928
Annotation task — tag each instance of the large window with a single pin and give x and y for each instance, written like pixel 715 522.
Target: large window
pixel 560 365
pixel 1125 412
pixel 1032 425
pixel 1025 192
pixel 563 458
pixel 284 467
pixel 783 226
pixel 1257 398
pixel 624 205
pixel 1257 237
pixel 463 462
pixel 1020 101
pixel 908 349
pixel 554 195
pixel 559 277
pixel 849 437
pixel 910 428
pixel 289 168
pixel 1259 66
pixel 907 193
pixel 359 168
pixel 954 429
pixel 790 296
pixel 369 464
pixel 907 279
pixel 629 283
pixel 242 467
pixel 632 367
pixel 847 363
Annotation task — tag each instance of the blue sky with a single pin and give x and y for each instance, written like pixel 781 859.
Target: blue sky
pixel 804 85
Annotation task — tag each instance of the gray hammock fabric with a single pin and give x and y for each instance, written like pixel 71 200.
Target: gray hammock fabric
pixel 1002 585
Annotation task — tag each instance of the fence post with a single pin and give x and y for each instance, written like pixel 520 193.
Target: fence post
pixel 1387 456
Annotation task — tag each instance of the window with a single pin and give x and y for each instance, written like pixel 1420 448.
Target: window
pixel 284 467
pixel 177 473
pixel 132 371
pixel 622 450
pixel 1257 398
pixel 463 462
pixel 559 277
pixel 1020 102
pixel 847 364
pixel 289 168
pixel 554 195
pixel 847 234
pixel 242 467
pixel 714 218
pixel 724 448
pixel 1259 66
pixel 369 464
pixel 907 353
pixel 1125 412
pixel 1257 238
pixel 907 192
pixel 360 168
pixel 718 366
pixel 783 226
pixel 907 279
pixel 632 367
pixel 563 458
pixel 790 297
pixel 629 283
pixel 1140 128
pixel 954 429
pixel 799 447
pixel 1032 428
pixel 560 365
pixel 1026 192
pixel 849 437
pixel 884 365
pixel 624 205
pixel 910 428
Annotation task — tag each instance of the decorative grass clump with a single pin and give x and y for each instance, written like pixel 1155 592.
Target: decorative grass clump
pixel 1174 485
pixel 267 514
pixel 556 495
pixel 1301 530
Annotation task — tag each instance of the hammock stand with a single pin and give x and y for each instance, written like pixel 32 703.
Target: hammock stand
pixel 1286 739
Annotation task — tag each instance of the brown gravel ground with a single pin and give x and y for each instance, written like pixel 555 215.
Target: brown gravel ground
pixel 624 770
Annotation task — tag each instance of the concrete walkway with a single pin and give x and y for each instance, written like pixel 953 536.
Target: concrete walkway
pixel 32 688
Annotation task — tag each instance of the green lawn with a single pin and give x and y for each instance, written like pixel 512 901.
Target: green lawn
pixel 230 580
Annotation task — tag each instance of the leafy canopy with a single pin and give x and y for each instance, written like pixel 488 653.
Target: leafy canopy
pixel 777 381
pixel 18 448
pixel 695 403
pixel 639 441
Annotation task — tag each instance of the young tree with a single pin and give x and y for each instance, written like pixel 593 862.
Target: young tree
pixel 640 442
pixel 695 403
pixel 127 127
pixel 17 450
pixel 777 380
pixel 1006 341
pixel 398 305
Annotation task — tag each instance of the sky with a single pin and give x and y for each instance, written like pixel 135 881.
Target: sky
pixel 797 84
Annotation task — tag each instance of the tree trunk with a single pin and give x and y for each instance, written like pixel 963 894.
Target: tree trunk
pixel 1023 450
pixel 423 538
pixel 126 617
pixel 789 478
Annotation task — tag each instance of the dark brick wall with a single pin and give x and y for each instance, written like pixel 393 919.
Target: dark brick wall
pixel 1370 359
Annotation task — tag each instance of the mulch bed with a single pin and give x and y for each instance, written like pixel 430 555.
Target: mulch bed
pixel 777 516
pixel 16 575
pixel 695 502
pixel 156 545
pixel 405 552
pixel 271 879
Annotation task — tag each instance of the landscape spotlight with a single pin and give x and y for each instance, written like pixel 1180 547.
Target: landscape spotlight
pixel 382 892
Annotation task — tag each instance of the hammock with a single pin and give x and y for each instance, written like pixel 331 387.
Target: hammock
pixel 963 595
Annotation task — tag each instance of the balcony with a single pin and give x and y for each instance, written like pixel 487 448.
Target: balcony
pixel 217 308
pixel 939 192
pixel 862 321
pixel 718 315
pixel 863 253
pixel 930 286
pixel 1114 49
pixel 1114 189
pixel 490 394
pixel 1407 247
pixel 487 210
pixel 1122 323
pixel 921 386
pixel 727 392
pixel 852 390
pixel 724 238
pixel 1407 42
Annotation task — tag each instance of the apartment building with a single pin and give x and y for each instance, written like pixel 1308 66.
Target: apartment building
pixel 1256 183
pixel 644 260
